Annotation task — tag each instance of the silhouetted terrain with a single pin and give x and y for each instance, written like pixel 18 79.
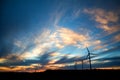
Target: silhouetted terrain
pixel 63 75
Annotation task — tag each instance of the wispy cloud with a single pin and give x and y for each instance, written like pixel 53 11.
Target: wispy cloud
pixel 70 37
pixel 2 60
pixel 109 29
pixel 116 48
pixel 57 15
pixel 45 48
pixel 117 38
pixel 64 36
pixel 29 68
pixel 76 13
pixel 104 18
pixel 19 44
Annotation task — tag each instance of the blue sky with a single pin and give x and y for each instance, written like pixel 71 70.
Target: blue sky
pixel 53 34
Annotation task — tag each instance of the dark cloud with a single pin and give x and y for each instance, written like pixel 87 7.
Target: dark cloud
pixel 44 59
pixel 107 64
pixel 113 49
pixel 14 60
pixel 20 62
pixel 110 39
pixel 114 62
pixel 66 60
pixel 110 59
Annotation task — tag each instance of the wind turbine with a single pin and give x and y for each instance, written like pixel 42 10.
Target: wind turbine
pixel 89 57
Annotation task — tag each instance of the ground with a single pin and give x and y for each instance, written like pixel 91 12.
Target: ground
pixel 63 75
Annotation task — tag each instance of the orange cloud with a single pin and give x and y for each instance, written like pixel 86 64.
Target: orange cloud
pixel 59 45
pixel 30 68
pixel 64 36
pixel 12 69
pixel 2 60
pixel 13 58
pixel 53 61
pixel 4 69
pixel 113 68
pixel 117 38
pixel 41 37
pixel 104 18
pixel 54 66
pixel 54 54
pixel 71 37
pixel 98 47
pixel 109 29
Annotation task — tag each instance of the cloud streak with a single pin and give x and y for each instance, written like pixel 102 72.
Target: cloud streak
pixel 104 18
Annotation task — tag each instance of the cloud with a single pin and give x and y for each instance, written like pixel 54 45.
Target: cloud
pixel 62 37
pixel 66 59
pixel 110 59
pixel 70 37
pixel 117 38
pixel 42 36
pixel 13 58
pixel 109 50
pixel 98 63
pixel 31 49
pixel 59 58
pixel 57 15
pixel 102 16
pixel 2 60
pixel 48 40
pixel 76 13
pixel 54 54
pixel 98 47
pixel 109 29
pixel 53 61
pixel 44 48
pixel 19 44
pixel 35 52
pixel 106 62
pixel 16 60
pixel 39 45
pixel 65 36
pixel 54 66
pixel 105 18
pixel 27 68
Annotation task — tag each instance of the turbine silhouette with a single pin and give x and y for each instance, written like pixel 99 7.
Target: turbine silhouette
pixel 89 57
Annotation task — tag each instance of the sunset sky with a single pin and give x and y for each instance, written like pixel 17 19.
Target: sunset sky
pixel 53 34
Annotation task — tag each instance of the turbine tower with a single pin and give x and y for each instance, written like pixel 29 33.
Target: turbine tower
pixel 88 56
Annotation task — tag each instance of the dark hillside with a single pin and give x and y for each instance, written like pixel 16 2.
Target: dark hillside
pixel 63 75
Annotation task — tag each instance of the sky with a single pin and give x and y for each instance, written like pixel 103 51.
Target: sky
pixel 37 35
